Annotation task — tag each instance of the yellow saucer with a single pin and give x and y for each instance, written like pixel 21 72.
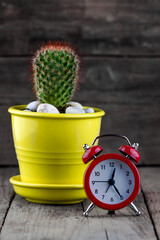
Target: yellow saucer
pixel 48 193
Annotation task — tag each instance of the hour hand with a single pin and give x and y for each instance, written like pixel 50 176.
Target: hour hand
pixel 113 173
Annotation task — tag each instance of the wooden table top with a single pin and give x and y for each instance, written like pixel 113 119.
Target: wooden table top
pixel 21 220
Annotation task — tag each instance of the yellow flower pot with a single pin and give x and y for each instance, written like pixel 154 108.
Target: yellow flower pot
pixel 49 147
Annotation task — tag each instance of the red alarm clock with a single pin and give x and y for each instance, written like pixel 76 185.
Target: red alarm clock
pixel 112 181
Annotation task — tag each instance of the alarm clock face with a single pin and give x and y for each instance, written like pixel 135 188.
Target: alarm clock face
pixel 112 181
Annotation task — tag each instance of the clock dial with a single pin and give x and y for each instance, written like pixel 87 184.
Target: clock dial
pixel 111 181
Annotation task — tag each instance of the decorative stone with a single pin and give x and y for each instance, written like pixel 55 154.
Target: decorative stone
pixel 74 110
pixel 27 110
pixel 33 106
pixel 47 108
pixel 75 104
pixel 89 110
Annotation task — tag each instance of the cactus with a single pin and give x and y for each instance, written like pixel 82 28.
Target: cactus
pixel 55 74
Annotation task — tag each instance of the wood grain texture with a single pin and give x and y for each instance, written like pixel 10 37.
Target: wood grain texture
pixel 29 221
pixel 150 178
pixel 34 222
pixel 127 89
pixel 122 225
pixel 96 27
pixel 6 192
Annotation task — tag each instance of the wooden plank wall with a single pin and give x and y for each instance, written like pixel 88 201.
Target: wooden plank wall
pixel 119 43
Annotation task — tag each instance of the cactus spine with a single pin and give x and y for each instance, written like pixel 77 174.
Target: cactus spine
pixel 55 74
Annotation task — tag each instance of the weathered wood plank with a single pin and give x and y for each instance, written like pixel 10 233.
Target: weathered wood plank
pixel 123 225
pixel 127 89
pixel 6 192
pixel 140 122
pixel 7 152
pixel 34 221
pixel 5 174
pixel 150 178
pixel 96 27
pixel 102 74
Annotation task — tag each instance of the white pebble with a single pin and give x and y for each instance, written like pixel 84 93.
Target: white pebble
pixel 47 108
pixel 89 110
pixel 27 110
pixel 75 104
pixel 74 110
pixel 33 106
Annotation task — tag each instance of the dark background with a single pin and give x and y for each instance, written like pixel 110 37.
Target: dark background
pixel 119 43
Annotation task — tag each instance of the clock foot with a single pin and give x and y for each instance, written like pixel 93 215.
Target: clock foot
pixel 89 209
pixel 134 208
pixel 111 212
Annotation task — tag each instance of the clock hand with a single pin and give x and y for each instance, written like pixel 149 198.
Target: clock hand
pixel 108 188
pixel 117 191
pixel 113 173
pixel 111 180
pixel 99 181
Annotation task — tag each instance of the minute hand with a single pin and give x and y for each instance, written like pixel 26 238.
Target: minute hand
pixel 117 191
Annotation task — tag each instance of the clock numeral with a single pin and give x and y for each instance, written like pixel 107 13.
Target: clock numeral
pixel 97 174
pixel 96 191
pixel 103 167
pixel 127 191
pixel 111 164
pixel 103 196
pixel 120 166
pixel 111 200
pixel 129 182
pixel 127 173
pixel 93 182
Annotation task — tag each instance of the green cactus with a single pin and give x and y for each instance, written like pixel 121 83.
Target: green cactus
pixel 55 74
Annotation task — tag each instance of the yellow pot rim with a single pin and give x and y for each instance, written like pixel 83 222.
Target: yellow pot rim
pixel 17 110
pixel 16 180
